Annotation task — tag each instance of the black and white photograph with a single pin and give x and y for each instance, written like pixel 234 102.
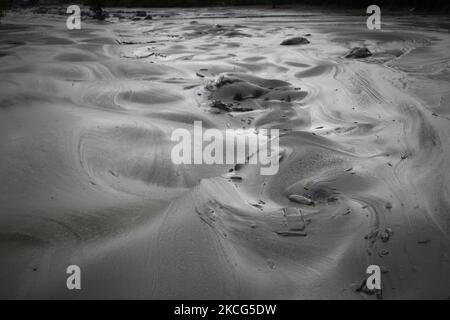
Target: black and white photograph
pixel 224 150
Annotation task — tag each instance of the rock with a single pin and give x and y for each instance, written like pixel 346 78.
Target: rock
pixel 358 53
pixel 99 14
pixel 291 233
pixel 140 14
pixel 294 219
pixel 364 289
pixel 295 41
pixel 301 199
pixel 148 17
pixel 384 236
pixel 40 10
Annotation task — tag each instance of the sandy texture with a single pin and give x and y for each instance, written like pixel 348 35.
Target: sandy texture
pixel 86 175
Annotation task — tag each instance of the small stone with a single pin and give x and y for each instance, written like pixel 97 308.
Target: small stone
pixel 358 53
pixel 295 41
pixel 301 199
pixel 386 234
pixel 384 270
pixel 141 14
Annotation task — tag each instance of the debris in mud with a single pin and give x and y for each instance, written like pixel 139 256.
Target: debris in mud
pixel 332 199
pixel 383 253
pixel 140 14
pixel 198 74
pixel 291 233
pixel 388 206
pixel 404 156
pixel 301 199
pixel 372 235
pixel 238 97
pixel 113 173
pixel 294 219
pixel 98 13
pixel 426 241
pixel 222 80
pixel 219 105
pixel 358 53
pixel 256 205
pixel 295 41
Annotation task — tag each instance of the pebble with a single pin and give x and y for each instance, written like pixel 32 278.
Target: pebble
pixel 301 199
pixel 295 41
pixel 358 53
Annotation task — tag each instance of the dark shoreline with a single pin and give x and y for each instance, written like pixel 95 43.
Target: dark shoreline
pixel 416 6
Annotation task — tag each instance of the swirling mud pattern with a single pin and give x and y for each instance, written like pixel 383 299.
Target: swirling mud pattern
pixel 86 118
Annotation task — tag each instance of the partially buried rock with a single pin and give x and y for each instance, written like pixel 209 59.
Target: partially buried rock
pixel 221 106
pixel 291 233
pixel 358 53
pixel 141 14
pixel 295 41
pixel 386 234
pixel 301 199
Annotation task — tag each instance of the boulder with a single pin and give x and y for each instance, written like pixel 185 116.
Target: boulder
pixel 358 53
